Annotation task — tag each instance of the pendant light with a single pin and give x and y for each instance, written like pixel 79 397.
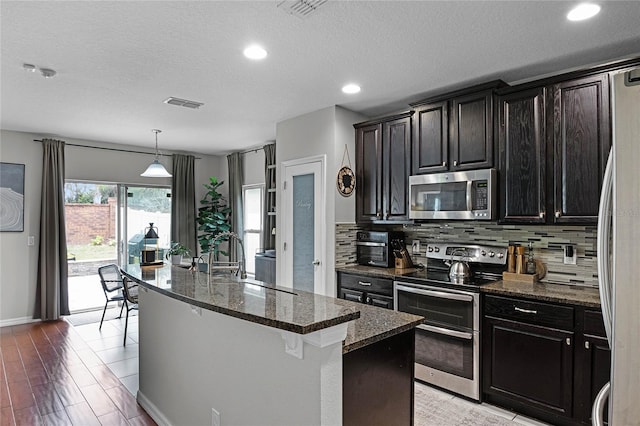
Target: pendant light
pixel 156 169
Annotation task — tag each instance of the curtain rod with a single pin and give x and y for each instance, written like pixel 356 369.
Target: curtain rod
pixel 250 151
pixel 115 149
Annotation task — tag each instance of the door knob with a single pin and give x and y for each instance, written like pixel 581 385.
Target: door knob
pixel 315 262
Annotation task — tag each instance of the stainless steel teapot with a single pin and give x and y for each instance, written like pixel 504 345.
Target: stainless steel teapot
pixel 459 271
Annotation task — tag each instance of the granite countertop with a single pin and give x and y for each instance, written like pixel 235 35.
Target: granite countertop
pixel 376 324
pixel 283 308
pixel 559 293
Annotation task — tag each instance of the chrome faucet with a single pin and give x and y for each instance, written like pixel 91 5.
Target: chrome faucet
pixel 242 267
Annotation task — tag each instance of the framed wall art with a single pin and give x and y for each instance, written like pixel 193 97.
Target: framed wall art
pixel 11 197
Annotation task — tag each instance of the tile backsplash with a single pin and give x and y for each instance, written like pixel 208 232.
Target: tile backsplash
pixel 548 243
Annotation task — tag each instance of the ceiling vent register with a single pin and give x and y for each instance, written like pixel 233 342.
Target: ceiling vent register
pixel 183 103
pixel 301 8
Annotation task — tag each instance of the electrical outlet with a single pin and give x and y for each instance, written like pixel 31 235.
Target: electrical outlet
pixel 215 418
pixel 415 247
pixel 31 240
pixel 569 254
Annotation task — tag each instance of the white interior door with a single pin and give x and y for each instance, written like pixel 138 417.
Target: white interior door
pixel 303 245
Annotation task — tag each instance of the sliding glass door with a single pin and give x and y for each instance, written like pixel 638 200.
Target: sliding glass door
pixel 143 208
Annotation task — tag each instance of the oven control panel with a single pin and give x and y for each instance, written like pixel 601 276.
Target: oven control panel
pixel 467 252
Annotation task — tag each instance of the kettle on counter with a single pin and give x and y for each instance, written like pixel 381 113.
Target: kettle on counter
pixel 459 271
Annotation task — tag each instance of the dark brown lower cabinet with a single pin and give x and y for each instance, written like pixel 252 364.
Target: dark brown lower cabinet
pixel 378 383
pixel 544 360
pixel 364 289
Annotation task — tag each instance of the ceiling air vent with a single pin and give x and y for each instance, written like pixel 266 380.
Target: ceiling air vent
pixel 183 103
pixel 300 8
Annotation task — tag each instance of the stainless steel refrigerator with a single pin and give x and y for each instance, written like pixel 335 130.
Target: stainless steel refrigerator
pixel 619 255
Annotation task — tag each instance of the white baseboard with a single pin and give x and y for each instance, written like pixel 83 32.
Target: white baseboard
pixel 151 409
pixel 17 321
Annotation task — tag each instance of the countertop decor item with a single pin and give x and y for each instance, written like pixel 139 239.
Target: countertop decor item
pixel 346 181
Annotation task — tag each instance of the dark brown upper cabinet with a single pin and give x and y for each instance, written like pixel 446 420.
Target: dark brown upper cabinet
pixel 522 153
pixel 581 143
pixel 431 138
pixel 455 131
pixel 553 146
pixel 383 165
pixel 472 131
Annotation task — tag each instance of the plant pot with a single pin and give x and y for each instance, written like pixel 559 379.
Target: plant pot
pixel 176 259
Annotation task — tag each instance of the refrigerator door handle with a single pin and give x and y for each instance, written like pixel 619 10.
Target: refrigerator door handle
pixel 603 247
pixel 597 412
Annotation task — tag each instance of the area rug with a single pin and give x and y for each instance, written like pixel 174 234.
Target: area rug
pixel 435 408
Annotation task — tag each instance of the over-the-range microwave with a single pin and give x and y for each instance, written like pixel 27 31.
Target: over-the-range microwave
pixel 469 195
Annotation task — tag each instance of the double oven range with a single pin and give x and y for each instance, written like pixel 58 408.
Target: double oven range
pixel 447 343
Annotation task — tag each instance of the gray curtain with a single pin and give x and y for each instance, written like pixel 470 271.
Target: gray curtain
pixel 236 177
pixel 267 239
pixel 52 292
pixel 183 204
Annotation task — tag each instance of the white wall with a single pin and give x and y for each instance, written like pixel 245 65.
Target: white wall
pixel 240 369
pixel 323 132
pixel 18 262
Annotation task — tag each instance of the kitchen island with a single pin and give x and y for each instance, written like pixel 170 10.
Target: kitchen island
pixel 262 354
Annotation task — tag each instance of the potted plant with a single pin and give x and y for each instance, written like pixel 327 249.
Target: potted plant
pixel 213 218
pixel 176 252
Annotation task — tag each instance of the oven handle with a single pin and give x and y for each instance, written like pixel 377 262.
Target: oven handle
pixel 440 294
pixel 446 331
pixel 370 244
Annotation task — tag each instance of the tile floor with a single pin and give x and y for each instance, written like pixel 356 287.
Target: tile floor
pixel 59 374
pixel 54 373
pixel 466 412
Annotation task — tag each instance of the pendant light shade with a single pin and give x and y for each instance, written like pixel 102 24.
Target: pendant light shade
pixel 156 169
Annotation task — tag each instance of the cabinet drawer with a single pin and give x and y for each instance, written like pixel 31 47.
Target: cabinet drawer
pixel 594 324
pixel 368 284
pixel 531 312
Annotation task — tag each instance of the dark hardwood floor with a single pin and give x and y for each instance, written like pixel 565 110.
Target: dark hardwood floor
pixel 50 376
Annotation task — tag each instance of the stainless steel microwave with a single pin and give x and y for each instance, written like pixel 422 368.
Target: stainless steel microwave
pixel 467 195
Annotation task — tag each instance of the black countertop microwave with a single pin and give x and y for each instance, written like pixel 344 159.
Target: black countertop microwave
pixel 466 195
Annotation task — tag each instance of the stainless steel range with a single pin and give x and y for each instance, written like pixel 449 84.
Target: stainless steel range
pixel 448 342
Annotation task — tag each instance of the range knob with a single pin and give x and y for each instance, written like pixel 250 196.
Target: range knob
pixel 491 254
pixel 430 249
pixel 500 255
pixel 437 249
pixel 483 252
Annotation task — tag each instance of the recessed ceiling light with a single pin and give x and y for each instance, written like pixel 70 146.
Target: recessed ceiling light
pixel 583 11
pixel 351 88
pixel 255 52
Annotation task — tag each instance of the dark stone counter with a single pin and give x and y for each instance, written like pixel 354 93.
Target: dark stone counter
pixel 559 293
pixel 279 307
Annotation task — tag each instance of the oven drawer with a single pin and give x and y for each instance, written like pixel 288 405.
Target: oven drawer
pixel 538 313
pixel 369 284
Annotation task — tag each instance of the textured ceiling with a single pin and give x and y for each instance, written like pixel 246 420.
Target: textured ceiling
pixel 118 60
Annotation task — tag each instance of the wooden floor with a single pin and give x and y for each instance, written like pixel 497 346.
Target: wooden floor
pixel 50 376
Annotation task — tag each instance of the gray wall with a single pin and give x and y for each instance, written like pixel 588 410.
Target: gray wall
pixel 18 262
pixel 323 132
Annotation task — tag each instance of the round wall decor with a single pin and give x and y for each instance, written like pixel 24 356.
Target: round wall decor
pixel 346 181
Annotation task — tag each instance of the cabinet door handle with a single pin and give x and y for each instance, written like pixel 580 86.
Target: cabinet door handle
pixel 455 162
pixel 369 300
pixel 586 344
pixel 378 215
pixel 568 340
pixel 558 214
pixel 364 283
pixel 541 215
pixel 526 311
pixel 444 164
